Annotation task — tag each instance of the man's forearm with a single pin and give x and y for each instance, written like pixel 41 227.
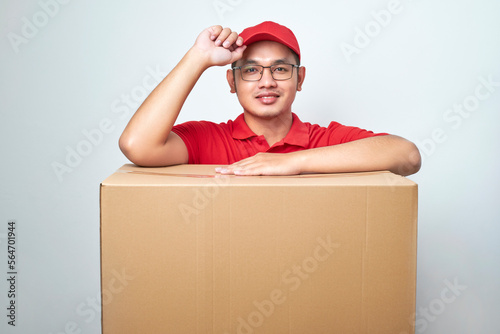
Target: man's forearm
pixel 153 121
pixel 390 152
pixel 147 139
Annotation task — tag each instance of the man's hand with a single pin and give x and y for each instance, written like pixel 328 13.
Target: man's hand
pixel 390 152
pixel 264 164
pixel 219 46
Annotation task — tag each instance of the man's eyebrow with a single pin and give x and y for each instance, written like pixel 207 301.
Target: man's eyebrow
pixel 281 61
pixel 276 61
pixel 249 62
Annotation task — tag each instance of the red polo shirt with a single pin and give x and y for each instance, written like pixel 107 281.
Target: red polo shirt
pixel 226 143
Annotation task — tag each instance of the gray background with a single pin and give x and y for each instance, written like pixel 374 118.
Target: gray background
pixel 68 68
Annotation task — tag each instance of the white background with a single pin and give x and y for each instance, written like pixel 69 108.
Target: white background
pixel 67 67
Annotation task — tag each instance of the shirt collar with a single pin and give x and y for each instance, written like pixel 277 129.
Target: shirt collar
pixel 297 136
pixel 240 129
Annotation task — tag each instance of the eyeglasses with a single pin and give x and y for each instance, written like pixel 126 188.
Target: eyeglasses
pixel 254 72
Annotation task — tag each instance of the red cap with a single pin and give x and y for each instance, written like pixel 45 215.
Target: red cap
pixel 271 31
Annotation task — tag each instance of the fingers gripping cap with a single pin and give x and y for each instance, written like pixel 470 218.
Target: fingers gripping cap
pixel 271 31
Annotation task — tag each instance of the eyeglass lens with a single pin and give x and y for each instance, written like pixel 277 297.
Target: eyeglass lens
pixel 255 72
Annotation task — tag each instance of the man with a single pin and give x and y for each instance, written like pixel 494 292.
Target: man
pixel 267 139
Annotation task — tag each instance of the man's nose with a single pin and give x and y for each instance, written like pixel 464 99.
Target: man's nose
pixel 267 79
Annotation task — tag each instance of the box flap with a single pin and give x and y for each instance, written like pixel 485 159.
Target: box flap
pixel 131 175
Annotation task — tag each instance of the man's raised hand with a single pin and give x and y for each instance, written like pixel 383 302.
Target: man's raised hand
pixel 220 46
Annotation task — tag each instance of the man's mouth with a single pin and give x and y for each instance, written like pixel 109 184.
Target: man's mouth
pixel 267 97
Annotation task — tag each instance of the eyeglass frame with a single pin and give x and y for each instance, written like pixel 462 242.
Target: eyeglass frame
pixel 262 72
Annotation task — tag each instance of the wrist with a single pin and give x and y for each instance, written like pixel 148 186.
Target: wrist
pixel 299 161
pixel 197 59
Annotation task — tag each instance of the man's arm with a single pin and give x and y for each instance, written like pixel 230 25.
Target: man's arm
pixel 389 152
pixel 147 140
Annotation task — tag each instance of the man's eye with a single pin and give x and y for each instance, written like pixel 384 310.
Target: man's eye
pixel 250 69
pixel 280 69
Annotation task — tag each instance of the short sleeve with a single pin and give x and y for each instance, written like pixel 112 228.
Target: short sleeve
pixel 190 133
pixel 339 134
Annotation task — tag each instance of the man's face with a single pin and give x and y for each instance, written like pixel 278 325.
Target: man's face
pixel 266 98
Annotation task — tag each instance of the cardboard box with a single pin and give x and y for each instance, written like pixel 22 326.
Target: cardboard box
pixel 184 251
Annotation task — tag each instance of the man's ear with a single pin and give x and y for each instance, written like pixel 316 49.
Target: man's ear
pixel 301 76
pixel 230 80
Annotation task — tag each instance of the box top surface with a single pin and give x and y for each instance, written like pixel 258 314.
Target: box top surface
pixel 131 175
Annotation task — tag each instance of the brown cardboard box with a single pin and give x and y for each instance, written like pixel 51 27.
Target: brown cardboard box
pixel 184 251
